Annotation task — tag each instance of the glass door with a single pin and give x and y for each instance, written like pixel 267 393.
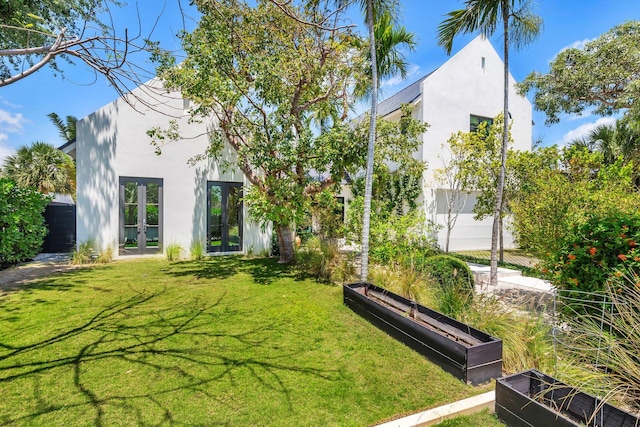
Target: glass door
pixel 140 216
pixel 224 218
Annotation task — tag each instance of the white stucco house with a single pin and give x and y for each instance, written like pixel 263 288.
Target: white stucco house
pixel 462 92
pixel 137 202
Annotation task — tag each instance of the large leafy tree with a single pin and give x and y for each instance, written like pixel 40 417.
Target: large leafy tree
pixel 37 33
pixel 519 27
pixel 603 75
pixel 43 167
pixel 265 72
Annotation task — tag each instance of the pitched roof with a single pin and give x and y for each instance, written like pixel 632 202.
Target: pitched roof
pixel 405 96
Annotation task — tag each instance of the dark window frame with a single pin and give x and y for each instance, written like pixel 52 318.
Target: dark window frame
pixel 225 246
pixel 473 126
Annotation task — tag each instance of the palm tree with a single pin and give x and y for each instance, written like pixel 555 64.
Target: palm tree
pixel 390 60
pixel 380 12
pixel 41 166
pixel 66 128
pixel 520 27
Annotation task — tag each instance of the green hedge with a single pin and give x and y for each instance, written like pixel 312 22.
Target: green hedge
pixel 22 228
pixel 448 271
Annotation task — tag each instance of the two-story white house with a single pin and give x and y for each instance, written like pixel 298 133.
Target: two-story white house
pixel 457 96
pixel 132 200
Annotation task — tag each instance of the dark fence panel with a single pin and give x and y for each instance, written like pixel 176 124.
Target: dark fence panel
pixel 61 222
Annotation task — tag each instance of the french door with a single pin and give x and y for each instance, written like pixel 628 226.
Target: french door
pixel 224 217
pixel 140 215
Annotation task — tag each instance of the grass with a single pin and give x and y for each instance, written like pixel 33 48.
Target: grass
pixel 225 341
pixel 481 419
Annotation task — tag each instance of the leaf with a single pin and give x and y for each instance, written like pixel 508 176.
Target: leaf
pixel 31 15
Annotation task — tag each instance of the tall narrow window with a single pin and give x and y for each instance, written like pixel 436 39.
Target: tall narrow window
pixel 224 217
pixel 483 63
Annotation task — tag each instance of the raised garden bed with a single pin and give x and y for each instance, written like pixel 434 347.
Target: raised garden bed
pixel 469 354
pixel 533 399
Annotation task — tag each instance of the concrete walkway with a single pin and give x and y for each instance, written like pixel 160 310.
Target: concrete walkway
pixel 511 256
pixel 42 266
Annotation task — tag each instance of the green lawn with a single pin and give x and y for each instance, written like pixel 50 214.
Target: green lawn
pixel 481 419
pixel 226 341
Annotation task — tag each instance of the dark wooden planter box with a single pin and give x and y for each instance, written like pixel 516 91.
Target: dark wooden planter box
pixel 533 399
pixel 465 352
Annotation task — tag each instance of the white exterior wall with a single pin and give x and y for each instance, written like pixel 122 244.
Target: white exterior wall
pixel 453 92
pixel 112 143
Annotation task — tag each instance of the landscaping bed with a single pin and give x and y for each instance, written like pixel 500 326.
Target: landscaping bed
pixel 467 353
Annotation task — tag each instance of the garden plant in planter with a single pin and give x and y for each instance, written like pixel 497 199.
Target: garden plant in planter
pixel 469 354
pixel 533 399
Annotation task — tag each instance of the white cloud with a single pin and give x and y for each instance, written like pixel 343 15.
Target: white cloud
pixel 4 150
pixel 586 113
pixel 584 129
pixel 11 122
pixel 578 44
pixel 396 80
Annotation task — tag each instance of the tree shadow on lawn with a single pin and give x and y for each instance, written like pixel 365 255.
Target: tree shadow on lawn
pixel 264 271
pixel 72 279
pixel 177 343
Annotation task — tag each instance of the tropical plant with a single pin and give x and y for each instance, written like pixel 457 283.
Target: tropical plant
pixel 560 191
pixel 378 13
pixel 66 128
pixel 43 167
pixel 520 26
pixel 595 250
pixel 616 141
pixel 22 227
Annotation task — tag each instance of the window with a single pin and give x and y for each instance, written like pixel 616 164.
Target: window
pixel 339 211
pixel 475 121
pixel 224 217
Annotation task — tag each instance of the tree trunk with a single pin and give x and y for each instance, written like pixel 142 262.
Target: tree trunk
pixel 366 217
pixel 501 239
pixel 505 141
pixel 446 243
pixel 285 243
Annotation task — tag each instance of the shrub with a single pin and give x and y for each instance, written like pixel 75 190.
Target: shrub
pixel 173 252
pixel 447 270
pixel 83 253
pixel 455 280
pixel 322 259
pixel 104 257
pixel 526 337
pixel 595 250
pixel 407 282
pixel 196 251
pixel 22 227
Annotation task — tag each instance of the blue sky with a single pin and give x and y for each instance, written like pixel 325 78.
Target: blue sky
pixel 24 105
